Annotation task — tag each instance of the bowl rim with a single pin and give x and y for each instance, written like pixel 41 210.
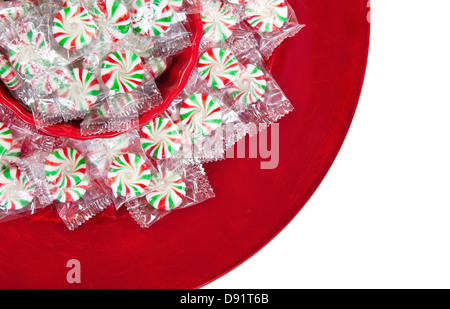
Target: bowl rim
pixel 72 130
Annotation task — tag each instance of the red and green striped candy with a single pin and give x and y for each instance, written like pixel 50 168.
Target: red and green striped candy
pixel 12 14
pixel 218 21
pixel 169 191
pixel 250 85
pixel 122 71
pixel 151 17
pixel 65 167
pixel 266 15
pixel 73 27
pixel 129 175
pixel 113 18
pixel 8 75
pixel 160 138
pixel 6 139
pixel 218 68
pixel 27 52
pixel 72 194
pixel 81 92
pixel 200 114
pixel 16 190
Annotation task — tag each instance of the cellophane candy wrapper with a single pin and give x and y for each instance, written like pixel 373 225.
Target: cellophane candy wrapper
pixel 167 27
pixel 120 112
pixel 272 21
pixel 65 178
pixel 122 164
pixel 17 189
pixel 174 186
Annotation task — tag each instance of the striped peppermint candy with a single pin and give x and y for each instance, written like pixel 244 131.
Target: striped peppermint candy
pixel 176 5
pixel 6 139
pixel 28 51
pixel 53 79
pixel 81 92
pixel 16 190
pixel 14 152
pixel 72 194
pixel 169 191
pixel 74 27
pixel 129 175
pixel 218 21
pixel 8 75
pixel 155 67
pixel 218 68
pixel 266 15
pixel 237 1
pixel 122 71
pixel 151 17
pixel 113 18
pixel 11 14
pixel 200 114
pixel 65 167
pixel 161 138
pixel 250 85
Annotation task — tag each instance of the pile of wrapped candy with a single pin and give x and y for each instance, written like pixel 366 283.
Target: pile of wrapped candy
pixel 99 62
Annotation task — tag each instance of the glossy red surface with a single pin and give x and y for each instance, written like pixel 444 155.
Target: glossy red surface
pixel 322 71
pixel 170 86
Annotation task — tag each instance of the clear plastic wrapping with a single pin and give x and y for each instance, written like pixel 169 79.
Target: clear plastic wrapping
pixel 269 22
pixel 122 165
pixel 63 176
pixel 18 191
pixel 174 187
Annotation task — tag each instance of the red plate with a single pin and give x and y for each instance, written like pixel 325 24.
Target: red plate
pixel 322 71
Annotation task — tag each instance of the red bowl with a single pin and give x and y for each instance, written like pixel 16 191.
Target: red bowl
pixel 170 85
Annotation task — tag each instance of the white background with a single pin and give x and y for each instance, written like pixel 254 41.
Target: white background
pixel 381 217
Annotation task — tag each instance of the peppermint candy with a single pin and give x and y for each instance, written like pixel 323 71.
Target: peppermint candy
pixel 122 71
pixel 200 114
pixel 6 139
pixel 8 75
pixel 151 17
pixel 28 52
pixel 129 175
pixel 53 79
pixel 16 190
pixel 169 191
pixel 71 194
pixel 82 92
pixel 266 15
pixel 250 85
pixel 113 17
pixel 218 21
pixel 74 27
pixel 65 167
pixel 218 68
pixel 160 138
